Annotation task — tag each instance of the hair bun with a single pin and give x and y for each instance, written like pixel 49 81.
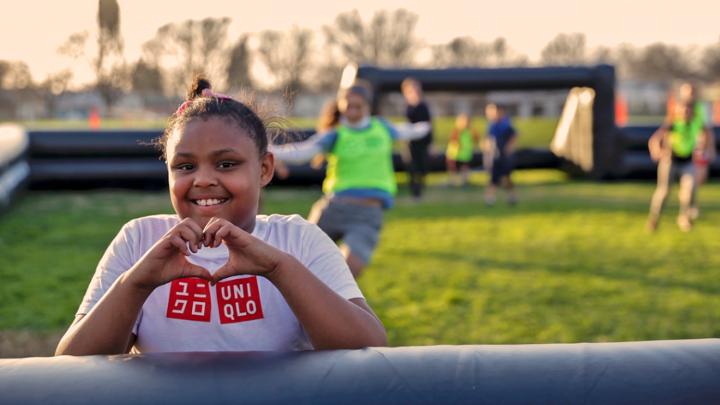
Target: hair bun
pixel 196 88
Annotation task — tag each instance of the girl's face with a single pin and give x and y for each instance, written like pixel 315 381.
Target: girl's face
pixel 461 121
pixel 214 170
pixel 412 93
pixel 353 107
pixel 491 112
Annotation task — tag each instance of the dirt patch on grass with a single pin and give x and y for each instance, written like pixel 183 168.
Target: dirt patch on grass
pixel 23 343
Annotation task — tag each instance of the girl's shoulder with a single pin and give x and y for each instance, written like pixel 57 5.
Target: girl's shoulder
pixel 290 231
pixel 154 220
pixel 151 224
pixel 264 223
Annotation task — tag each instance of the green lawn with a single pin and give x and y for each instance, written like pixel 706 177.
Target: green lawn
pixel 572 262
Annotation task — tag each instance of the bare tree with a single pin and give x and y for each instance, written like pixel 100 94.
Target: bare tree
pixel 287 57
pixel 711 61
pixel 146 79
pixel 326 76
pixel 189 48
pixel 388 39
pixel 469 52
pixel 500 51
pixel 238 67
pixel 462 52
pixel 15 75
pixel 110 72
pixel 74 45
pixel 54 85
pixel 564 49
pixel 662 62
pixel 603 54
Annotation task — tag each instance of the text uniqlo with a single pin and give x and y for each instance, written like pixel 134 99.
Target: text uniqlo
pixel 239 300
pixel 189 300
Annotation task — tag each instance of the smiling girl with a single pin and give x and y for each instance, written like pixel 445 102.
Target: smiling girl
pixel 216 276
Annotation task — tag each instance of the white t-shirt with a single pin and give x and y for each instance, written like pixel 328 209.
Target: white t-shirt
pixel 241 313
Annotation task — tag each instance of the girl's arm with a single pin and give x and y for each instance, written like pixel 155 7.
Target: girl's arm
pixel 410 132
pixel 710 151
pixel 107 328
pixel 302 152
pixel 330 321
pixel 656 143
pixel 453 136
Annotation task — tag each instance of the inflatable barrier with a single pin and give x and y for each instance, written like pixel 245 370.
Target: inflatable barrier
pixel 124 158
pixel 14 168
pixel 659 372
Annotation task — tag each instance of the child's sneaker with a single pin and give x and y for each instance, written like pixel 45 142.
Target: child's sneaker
pixel 684 223
pixel 651 225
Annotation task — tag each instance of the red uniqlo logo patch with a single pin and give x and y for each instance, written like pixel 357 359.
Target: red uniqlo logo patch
pixel 189 300
pixel 239 300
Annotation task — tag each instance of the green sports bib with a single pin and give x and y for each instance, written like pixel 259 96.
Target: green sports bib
pixel 361 158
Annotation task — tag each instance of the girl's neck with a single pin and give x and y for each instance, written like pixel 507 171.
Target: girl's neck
pixel 361 123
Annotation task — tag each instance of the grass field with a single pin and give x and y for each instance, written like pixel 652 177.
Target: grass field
pixel 572 262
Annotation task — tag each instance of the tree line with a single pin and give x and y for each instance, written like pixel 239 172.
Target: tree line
pixel 301 59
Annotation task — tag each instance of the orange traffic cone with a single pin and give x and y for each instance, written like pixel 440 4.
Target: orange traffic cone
pixel 94 118
pixel 621 111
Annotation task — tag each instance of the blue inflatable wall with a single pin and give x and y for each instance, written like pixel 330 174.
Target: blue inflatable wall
pixel 656 372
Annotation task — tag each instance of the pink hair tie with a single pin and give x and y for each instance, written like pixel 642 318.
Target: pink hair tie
pixel 182 107
pixel 204 93
pixel 210 93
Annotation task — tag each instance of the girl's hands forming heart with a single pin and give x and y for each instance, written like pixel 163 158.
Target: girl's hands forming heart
pixel 166 260
pixel 247 254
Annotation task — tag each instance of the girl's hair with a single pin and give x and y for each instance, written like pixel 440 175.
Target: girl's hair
pixel 361 88
pixel 205 105
pixel 329 116
pixel 411 82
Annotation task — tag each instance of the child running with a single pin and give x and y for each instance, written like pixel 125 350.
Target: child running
pixel 360 180
pixel 703 154
pixel 460 150
pixel 215 276
pixel 672 146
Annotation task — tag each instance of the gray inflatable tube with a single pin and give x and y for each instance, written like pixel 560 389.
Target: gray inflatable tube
pixel 657 372
pixel 14 168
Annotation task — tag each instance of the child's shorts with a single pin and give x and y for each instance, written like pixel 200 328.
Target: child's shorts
pixel 357 225
pixel 502 167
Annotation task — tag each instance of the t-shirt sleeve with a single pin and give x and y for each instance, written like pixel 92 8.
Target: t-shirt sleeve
pixel 327 142
pixel 322 257
pixel 117 259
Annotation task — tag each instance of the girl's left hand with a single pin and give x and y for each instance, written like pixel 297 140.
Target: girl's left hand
pixel 247 254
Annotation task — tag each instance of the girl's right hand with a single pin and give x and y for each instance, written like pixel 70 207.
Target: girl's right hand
pixel 166 260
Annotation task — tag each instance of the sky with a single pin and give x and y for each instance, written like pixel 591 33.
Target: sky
pixel 32 30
